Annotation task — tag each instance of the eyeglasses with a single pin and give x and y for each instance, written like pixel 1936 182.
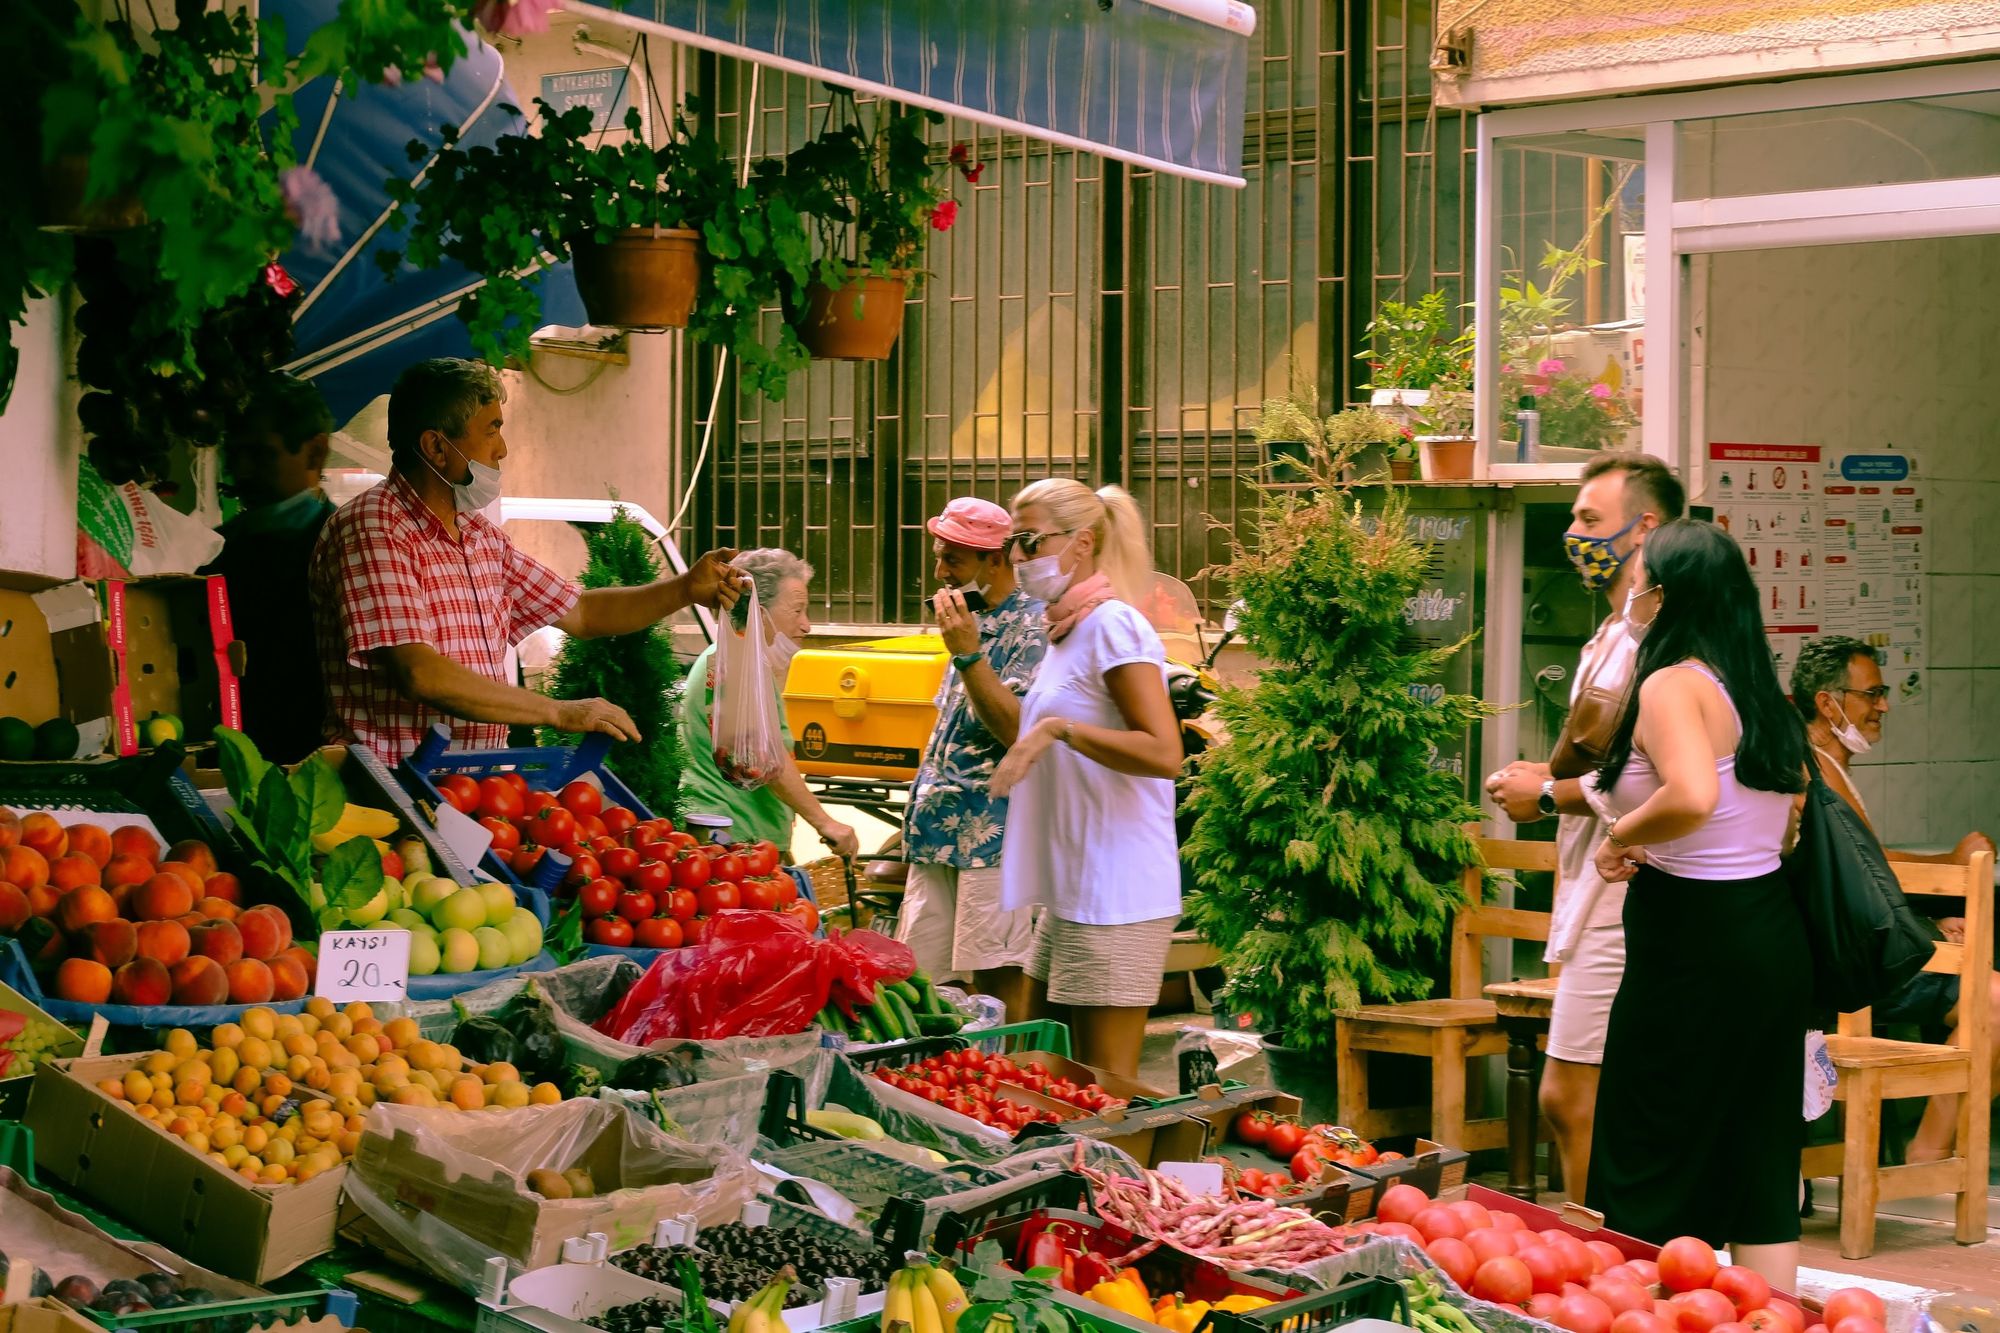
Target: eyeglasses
pixel 1031 542
pixel 1874 696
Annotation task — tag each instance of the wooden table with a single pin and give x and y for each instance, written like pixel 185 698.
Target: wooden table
pixel 1524 1008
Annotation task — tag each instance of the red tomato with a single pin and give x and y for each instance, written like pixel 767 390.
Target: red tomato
pixel 583 868
pixel 1454 1256
pixel 1510 1222
pixel 1853 1301
pixel 582 798
pixel 654 849
pixel 1308 1162
pixel 717 897
pixel 535 802
pixel 806 913
pixel 761 858
pixel 659 932
pixel 1768 1320
pixel 1640 1321
pixel 1790 1313
pixel 1285 1139
pixel 517 782
pixel 1545 1266
pixel 620 862
pixel 1687 1264
pixel 460 792
pixel 682 840
pixel 681 905
pixel 618 821
pixel 788 889
pixel 1857 1323
pixel 1644 1271
pixel 1609 1256
pixel 1437 1221
pixel 1253 1128
pixel 1543 1305
pixel 1401 1230
pixel 691 871
pixel 1746 1290
pixel 1400 1203
pixel 1577 1258
pixel 635 906
pixel 615 930
pixel 1475 1216
pixel 1503 1280
pixel 506 837
pixel 1700 1310
pixel 728 866
pixel 1620 1295
pixel 654 877
pixel 599 897
pixel 589 826
pixel 1583 1313
pixel 759 895
pixel 1731 1327
pixel 694 930
pixel 603 845
pixel 552 827
pixel 1490 1243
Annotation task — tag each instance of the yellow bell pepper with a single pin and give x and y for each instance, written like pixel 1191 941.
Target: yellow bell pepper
pixel 1132 1275
pixel 1123 1297
pixel 1241 1304
pixel 1181 1316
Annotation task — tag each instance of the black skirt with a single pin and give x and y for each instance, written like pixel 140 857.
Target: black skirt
pixel 1699 1108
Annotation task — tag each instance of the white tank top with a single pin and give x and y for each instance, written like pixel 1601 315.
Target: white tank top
pixel 1745 836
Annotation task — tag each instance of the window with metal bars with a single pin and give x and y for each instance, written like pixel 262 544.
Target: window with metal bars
pixel 1089 319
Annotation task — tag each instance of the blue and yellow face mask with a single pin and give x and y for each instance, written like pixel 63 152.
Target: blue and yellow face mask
pixel 1597 558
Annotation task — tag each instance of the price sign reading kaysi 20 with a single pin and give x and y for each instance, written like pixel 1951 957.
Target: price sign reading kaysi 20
pixel 363 965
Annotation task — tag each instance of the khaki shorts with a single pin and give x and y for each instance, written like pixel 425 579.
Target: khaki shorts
pixel 1113 967
pixel 952 921
pixel 1584 991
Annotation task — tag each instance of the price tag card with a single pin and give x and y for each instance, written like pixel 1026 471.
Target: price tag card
pixel 363 965
pixel 466 836
pixel 1199 1177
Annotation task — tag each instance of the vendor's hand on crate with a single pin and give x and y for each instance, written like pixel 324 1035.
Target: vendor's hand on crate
pixel 841 838
pixel 713 583
pixel 588 715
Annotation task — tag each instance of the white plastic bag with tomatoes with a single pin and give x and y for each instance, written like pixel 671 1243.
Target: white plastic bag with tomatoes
pixel 748 741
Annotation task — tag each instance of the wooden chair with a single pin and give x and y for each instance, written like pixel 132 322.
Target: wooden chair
pixel 1873 1068
pixel 1447 1032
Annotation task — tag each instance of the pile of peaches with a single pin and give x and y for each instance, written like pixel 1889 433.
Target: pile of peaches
pixel 108 918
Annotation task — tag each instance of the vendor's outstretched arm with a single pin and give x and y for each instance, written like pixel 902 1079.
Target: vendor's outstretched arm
pixel 426 675
pixel 604 612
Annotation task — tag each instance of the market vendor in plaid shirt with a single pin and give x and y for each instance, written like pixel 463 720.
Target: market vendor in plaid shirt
pixel 417 597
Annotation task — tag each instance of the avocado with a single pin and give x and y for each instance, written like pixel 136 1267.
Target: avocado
pixel 56 739
pixel 17 740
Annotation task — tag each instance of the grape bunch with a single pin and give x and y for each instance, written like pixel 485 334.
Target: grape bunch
pixel 26 1042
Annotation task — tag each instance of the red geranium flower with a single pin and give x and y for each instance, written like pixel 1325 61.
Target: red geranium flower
pixel 944 215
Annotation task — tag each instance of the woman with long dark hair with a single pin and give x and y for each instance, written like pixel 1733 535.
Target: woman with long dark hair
pixel 1698 1125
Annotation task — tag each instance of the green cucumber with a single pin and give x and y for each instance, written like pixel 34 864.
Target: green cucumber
pixel 937 1025
pixel 864 1026
pixel 884 1014
pixel 906 1018
pixel 908 993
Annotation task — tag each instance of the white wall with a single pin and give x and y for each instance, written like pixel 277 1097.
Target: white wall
pixel 1877 346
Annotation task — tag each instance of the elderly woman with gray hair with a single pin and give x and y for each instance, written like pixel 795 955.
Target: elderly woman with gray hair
pixel 765 813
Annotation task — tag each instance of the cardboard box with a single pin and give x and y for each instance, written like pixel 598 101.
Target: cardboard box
pixel 1151 1135
pixel 108 655
pixel 1338 1196
pixel 48 1315
pixel 14 1089
pixel 167 1189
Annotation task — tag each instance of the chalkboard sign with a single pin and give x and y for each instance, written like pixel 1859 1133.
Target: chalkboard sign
pixel 607 92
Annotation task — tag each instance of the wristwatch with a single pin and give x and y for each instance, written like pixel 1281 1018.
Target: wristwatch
pixel 1546 802
pixel 965 661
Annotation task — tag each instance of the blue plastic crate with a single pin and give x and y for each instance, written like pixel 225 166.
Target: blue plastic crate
pixel 15 971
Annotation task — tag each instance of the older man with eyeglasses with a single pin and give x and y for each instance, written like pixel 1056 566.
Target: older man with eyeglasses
pixel 1838 689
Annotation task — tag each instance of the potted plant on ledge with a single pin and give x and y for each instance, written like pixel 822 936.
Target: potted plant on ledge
pixel 1414 351
pixel 869 192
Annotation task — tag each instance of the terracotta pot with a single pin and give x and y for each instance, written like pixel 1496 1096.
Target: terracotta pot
pixel 62 207
pixel 1402 469
pixel 1447 457
pixel 641 278
pixel 858 322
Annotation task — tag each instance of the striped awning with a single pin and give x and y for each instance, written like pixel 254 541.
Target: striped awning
pixel 1158 83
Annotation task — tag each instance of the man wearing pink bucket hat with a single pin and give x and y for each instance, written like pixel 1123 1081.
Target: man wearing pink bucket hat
pixel 951 917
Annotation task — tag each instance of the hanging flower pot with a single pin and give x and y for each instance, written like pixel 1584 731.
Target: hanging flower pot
pixel 64 181
pixel 858 322
pixel 642 278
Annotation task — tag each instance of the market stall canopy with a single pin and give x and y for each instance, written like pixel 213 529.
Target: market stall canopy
pixel 356 331
pixel 1158 83
pixel 1496 53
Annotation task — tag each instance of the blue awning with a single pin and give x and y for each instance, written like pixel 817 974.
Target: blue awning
pixel 1143 81
pixel 356 331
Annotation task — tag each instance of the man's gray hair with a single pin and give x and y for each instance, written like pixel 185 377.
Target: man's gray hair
pixel 1822 668
pixel 769 566
pixel 440 394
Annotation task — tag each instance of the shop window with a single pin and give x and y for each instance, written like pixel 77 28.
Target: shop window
pixel 1834 147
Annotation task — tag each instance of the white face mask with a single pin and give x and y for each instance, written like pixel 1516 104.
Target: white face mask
pixel 779 653
pixel 1043 578
pixel 480 489
pixel 1634 629
pixel 1850 736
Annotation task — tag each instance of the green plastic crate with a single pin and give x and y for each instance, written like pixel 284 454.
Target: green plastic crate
pixel 1041 1034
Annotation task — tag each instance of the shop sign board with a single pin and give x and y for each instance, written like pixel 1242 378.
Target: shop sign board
pixel 1444 610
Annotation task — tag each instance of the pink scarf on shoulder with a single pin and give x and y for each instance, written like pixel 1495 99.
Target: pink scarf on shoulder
pixel 1068 611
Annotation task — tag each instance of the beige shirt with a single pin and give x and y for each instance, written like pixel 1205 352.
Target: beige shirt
pixel 1584 901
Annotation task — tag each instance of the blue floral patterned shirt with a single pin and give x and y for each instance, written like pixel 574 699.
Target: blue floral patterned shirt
pixel 952 819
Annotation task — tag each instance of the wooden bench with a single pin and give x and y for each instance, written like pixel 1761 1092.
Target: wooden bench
pixel 1872 1069
pixel 1447 1032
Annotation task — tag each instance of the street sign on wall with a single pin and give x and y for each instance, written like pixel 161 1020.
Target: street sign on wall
pixel 607 92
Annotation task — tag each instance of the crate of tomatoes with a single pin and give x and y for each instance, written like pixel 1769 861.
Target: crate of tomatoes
pixel 1002 1092
pixel 659 889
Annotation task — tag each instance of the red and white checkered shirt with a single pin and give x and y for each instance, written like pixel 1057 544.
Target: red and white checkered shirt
pixel 386 572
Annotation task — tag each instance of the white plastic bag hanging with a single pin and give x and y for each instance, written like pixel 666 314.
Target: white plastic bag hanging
pixel 743 717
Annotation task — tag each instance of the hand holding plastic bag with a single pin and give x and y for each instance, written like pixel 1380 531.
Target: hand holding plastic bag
pixel 743 719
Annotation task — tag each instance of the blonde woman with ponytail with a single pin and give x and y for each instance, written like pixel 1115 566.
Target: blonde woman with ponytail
pixel 1090 823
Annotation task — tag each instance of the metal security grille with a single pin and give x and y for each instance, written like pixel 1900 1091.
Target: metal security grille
pixel 1088 319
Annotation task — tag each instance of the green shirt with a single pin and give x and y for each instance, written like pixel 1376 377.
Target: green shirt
pixel 758 814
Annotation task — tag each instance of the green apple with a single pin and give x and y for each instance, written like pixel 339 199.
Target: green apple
pixel 495 949
pixel 428 893
pixel 500 903
pixel 161 728
pixel 394 888
pixel 371 911
pixel 416 857
pixel 464 910
pixel 425 957
pixel 457 950
pixel 524 933
pixel 412 922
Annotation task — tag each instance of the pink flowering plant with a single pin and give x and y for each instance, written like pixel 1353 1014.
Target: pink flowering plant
pixel 1577 412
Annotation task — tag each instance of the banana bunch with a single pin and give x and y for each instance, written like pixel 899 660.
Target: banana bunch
pixel 765 1312
pixel 356 821
pixel 923 1297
